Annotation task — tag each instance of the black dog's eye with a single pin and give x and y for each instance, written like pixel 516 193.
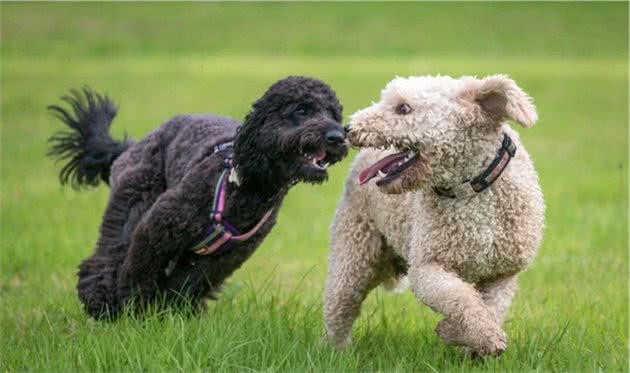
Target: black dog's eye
pixel 300 110
pixel 335 115
pixel 403 109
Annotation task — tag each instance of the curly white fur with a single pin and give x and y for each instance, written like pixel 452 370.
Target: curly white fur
pixel 463 255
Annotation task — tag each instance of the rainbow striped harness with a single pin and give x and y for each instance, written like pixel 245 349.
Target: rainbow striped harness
pixel 220 231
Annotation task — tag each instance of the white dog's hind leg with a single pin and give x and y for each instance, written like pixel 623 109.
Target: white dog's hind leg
pixel 396 284
pixel 355 266
pixel 460 303
pixel 498 295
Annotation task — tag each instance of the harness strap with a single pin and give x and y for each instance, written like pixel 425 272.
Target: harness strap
pixel 483 181
pixel 218 203
pixel 220 231
pixel 247 235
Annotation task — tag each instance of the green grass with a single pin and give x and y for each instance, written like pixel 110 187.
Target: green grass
pixel 157 60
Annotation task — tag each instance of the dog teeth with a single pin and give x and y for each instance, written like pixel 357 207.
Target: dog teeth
pixel 381 173
pixel 319 164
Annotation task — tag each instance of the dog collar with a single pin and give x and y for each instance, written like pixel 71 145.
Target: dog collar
pixel 482 181
pixel 220 231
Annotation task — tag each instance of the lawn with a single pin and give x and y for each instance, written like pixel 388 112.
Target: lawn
pixel 161 59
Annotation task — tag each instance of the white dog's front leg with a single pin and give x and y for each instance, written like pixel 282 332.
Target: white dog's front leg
pixel 462 305
pixel 497 295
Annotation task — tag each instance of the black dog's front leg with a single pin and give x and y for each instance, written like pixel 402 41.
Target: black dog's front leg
pixel 170 226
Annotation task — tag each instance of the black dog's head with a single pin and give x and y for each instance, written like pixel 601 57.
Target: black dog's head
pixel 293 133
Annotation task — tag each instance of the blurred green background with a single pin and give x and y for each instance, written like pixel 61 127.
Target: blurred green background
pixel 161 59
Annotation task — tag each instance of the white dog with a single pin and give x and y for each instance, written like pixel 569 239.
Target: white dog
pixel 455 204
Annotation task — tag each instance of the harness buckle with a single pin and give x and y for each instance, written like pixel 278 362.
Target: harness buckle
pixel 227 162
pixel 223 146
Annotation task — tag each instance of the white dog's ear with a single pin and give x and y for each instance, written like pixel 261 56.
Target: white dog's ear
pixel 501 98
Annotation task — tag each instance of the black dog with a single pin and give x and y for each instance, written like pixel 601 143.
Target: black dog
pixel 162 205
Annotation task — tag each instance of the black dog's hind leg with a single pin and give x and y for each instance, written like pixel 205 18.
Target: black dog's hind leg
pixel 97 286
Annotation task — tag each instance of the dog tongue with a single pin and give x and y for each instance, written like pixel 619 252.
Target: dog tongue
pixel 319 155
pixel 382 165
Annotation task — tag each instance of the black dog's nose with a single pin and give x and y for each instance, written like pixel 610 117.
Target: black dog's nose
pixel 347 128
pixel 335 137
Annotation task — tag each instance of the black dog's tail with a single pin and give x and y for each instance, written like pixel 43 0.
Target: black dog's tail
pixel 87 147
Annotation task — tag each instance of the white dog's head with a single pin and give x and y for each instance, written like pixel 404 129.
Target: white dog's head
pixel 441 128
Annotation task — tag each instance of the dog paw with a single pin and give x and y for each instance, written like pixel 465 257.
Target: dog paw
pixel 124 295
pixel 338 343
pixel 487 340
pixel 492 342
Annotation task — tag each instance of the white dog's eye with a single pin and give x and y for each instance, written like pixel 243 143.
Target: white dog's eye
pixel 403 109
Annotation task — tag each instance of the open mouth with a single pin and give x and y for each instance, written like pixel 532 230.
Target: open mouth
pixel 389 168
pixel 316 159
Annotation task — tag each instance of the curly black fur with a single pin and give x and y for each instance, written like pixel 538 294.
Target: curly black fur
pixel 162 189
pixel 88 145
